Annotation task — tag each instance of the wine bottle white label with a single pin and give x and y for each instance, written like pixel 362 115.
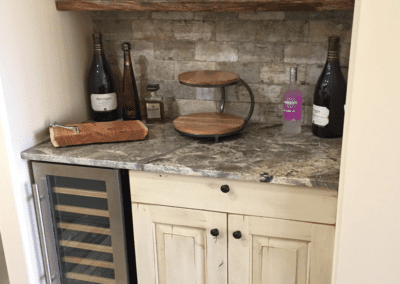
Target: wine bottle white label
pixel 104 102
pixel 153 110
pixel 320 115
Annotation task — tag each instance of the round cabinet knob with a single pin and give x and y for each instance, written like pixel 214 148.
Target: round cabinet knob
pixel 225 188
pixel 214 232
pixel 237 234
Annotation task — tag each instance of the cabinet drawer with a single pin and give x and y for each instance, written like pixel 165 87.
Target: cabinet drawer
pixel 248 198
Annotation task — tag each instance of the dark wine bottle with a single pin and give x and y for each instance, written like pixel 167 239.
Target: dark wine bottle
pixel 130 98
pixel 330 96
pixel 101 86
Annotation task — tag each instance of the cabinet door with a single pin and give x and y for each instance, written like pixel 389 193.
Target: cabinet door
pixel 175 246
pixel 276 251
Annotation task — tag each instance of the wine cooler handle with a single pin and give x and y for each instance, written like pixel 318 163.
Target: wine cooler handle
pixel 42 236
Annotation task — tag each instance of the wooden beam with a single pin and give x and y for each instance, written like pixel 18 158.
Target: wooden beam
pixel 208 6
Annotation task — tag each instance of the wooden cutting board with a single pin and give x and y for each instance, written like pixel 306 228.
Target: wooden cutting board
pixel 208 123
pixel 98 132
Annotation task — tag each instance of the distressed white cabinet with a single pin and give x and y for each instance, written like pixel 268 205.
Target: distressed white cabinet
pixel 197 230
pixel 276 251
pixel 173 245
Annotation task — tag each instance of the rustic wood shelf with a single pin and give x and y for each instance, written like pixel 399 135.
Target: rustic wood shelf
pixel 206 6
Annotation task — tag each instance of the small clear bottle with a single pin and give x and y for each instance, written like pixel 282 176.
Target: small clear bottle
pixel 154 105
pixel 292 104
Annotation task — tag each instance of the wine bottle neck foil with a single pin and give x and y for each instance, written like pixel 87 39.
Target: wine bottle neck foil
pixel 98 47
pixel 333 56
pixel 97 42
pixel 333 49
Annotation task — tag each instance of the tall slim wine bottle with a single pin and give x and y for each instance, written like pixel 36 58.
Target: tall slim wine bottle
pixel 330 96
pixel 130 104
pixel 101 86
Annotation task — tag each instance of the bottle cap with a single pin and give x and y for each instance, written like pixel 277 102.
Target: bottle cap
pixel 153 87
pixel 293 74
pixel 126 46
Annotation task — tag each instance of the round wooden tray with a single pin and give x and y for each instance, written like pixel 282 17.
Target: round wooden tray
pixel 212 78
pixel 208 124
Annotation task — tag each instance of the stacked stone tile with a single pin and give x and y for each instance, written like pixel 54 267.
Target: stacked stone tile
pixel 259 46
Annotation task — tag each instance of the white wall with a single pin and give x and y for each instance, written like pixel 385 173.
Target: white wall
pixel 3 267
pixel 368 235
pixel 44 59
pixel 6 195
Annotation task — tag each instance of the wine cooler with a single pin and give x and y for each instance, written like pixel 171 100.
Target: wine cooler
pixel 80 217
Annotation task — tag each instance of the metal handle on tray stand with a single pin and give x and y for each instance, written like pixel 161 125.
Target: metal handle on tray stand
pixel 222 99
pixel 251 100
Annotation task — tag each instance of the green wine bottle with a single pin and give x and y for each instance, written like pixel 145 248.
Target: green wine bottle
pixel 330 96
pixel 101 86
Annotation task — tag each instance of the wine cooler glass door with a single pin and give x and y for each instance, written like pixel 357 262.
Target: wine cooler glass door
pixel 83 224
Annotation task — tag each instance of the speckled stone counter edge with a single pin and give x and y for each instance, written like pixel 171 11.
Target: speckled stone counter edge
pixel 180 170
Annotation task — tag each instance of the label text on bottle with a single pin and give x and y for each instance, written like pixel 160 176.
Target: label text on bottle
pixel 153 110
pixel 104 102
pixel 320 115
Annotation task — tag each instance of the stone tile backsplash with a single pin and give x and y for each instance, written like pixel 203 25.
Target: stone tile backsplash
pixel 259 46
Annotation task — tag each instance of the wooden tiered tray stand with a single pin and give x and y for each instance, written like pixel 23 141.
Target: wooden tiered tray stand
pixel 211 124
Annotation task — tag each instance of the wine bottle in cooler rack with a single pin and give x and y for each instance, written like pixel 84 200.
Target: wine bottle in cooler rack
pixel 330 96
pixel 130 97
pixel 101 86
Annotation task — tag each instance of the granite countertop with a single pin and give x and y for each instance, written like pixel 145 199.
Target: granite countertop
pixel 259 153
